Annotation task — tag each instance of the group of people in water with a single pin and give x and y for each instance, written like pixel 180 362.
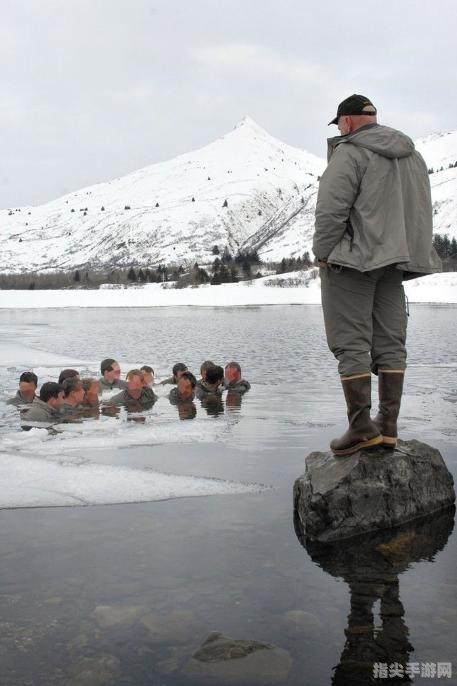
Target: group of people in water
pixel 71 398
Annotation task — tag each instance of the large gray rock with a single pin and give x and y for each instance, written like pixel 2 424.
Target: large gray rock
pixel 340 497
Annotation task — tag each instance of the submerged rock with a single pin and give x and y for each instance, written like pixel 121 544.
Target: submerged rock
pixel 176 627
pixel 340 497
pixel 225 660
pixel 94 671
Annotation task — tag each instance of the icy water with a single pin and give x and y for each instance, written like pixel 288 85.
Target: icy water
pixel 125 594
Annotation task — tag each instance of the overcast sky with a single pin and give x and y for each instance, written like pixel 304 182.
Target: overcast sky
pixel 94 89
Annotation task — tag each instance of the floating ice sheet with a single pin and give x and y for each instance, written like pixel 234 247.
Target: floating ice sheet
pixel 33 482
pixel 108 434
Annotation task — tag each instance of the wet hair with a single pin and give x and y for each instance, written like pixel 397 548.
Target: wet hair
pixel 134 372
pixel 71 384
pixel 206 365
pixel 106 365
pixel 191 377
pixel 214 374
pixel 179 367
pixel 87 383
pixel 147 369
pixel 28 377
pixel 67 374
pixel 50 389
pixel 233 365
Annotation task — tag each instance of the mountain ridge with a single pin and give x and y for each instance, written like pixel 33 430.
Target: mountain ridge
pixel 246 190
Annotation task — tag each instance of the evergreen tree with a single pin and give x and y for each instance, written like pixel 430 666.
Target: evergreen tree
pixel 226 256
pixel 77 276
pixel 131 274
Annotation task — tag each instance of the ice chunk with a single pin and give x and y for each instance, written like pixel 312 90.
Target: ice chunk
pixel 109 434
pixel 33 482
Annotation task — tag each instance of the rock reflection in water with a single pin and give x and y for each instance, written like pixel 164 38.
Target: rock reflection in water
pixel 371 566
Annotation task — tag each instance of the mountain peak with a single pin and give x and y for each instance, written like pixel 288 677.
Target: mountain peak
pixel 247 123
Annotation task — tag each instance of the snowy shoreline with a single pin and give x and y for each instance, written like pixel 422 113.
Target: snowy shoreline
pixel 437 288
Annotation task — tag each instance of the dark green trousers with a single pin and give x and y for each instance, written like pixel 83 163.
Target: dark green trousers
pixel 365 318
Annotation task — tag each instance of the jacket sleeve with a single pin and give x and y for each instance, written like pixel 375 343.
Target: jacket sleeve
pixel 338 189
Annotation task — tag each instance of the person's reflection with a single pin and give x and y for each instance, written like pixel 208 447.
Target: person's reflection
pixel 213 405
pixel 233 400
pixel 371 566
pixel 186 409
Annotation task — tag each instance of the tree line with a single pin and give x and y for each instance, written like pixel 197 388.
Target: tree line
pixel 447 250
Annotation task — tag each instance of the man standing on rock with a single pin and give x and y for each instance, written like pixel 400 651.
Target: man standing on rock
pixel 373 230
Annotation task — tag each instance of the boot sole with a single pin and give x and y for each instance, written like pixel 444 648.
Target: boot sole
pixel 390 441
pixel 377 440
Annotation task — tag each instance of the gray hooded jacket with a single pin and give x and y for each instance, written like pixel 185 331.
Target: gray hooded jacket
pixel 374 204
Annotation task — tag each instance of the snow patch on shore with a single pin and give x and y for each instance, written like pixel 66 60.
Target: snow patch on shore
pixel 439 288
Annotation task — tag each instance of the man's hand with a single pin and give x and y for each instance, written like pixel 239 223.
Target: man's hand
pixel 322 263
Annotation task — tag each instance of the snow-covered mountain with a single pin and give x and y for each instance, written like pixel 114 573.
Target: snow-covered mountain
pixel 244 190
pixel 440 152
pixel 247 190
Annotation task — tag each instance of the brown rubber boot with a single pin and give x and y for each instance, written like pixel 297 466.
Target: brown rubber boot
pixel 390 387
pixel 362 433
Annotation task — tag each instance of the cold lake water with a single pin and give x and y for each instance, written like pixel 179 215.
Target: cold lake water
pixel 124 594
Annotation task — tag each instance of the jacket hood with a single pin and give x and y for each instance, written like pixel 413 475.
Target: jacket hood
pixel 379 139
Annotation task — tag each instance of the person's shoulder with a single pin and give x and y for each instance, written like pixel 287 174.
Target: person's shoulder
pixel 121 384
pixel 173 396
pixel 148 394
pixel 39 411
pixel 241 386
pixel 117 399
pixel 164 382
pixel 16 400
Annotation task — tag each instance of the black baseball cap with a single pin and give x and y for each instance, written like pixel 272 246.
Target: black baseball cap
pixel 354 104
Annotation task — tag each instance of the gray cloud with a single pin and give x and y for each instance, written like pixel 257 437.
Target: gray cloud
pixel 93 90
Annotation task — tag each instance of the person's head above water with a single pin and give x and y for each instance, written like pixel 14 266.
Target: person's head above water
pixel 354 112
pixel 135 383
pixel 110 370
pixel 28 381
pixel 232 372
pixel 68 374
pixel 92 389
pixel 186 385
pixel 204 367
pixel 73 390
pixel 178 369
pixel 148 375
pixel 52 394
pixel 214 376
